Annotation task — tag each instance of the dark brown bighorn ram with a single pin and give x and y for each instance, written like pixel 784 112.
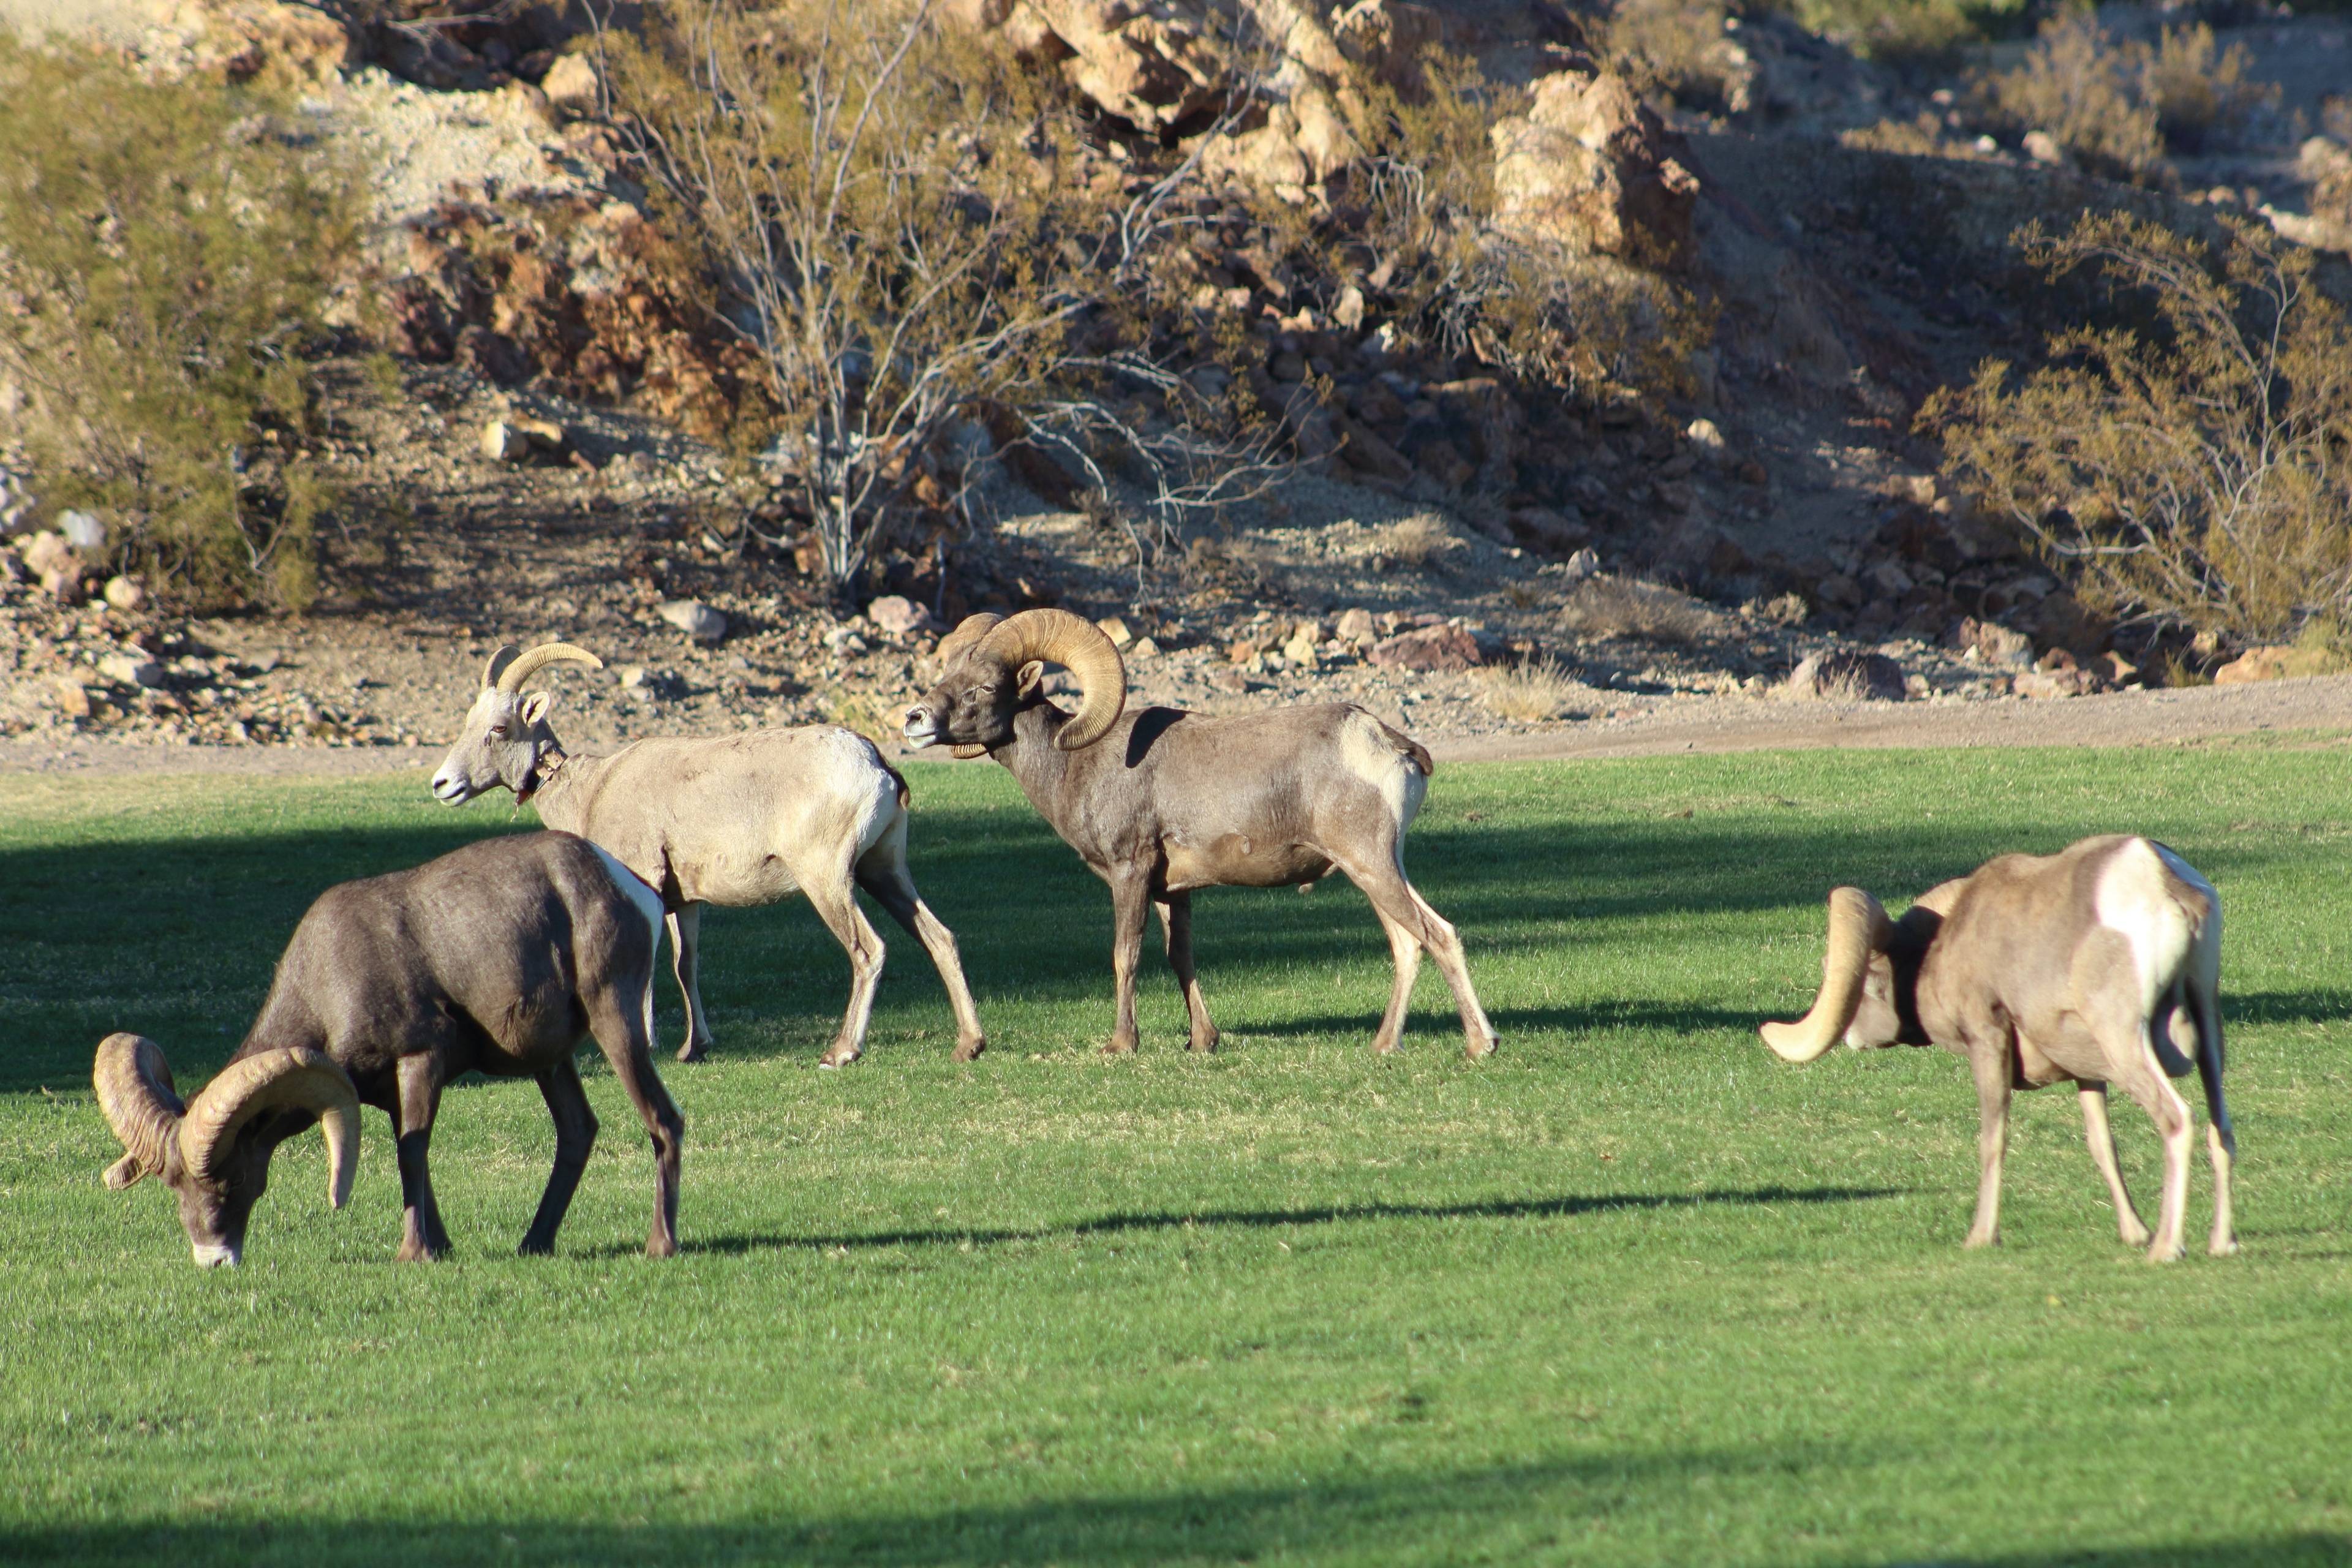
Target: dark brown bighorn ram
pixel 733 821
pixel 1158 801
pixel 2099 964
pixel 496 958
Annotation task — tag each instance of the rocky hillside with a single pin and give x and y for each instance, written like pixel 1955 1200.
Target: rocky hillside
pixel 1718 490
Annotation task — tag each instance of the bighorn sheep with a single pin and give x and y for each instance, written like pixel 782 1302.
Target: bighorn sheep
pixel 1158 801
pixel 2099 964
pixel 734 821
pixel 495 958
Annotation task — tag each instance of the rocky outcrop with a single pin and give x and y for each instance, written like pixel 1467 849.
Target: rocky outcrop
pixel 1590 169
pixel 585 298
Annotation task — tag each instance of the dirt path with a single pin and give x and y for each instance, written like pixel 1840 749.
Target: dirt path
pixel 2319 707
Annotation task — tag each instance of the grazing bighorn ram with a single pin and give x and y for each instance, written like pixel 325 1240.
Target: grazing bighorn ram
pixel 1158 801
pixel 2099 964
pixel 495 958
pixel 733 821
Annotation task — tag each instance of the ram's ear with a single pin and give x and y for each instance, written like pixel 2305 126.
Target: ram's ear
pixel 123 1172
pixel 1031 674
pixel 537 705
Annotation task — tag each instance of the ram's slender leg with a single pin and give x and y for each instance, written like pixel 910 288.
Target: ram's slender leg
pixel 622 1020
pixel 2221 1137
pixel 575 1135
pixel 422 1239
pixel 1405 949
pixel 883 873
pixel 1176 925
pixel 1382 878
pixel 1989 1061
pixel 2101 1138
pixel 684 924
pixel 2144 1080
pixel 1129 908
pixel 836 904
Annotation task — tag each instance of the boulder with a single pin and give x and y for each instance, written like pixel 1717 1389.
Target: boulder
pixel 1389 40
pixel 695 619
pixel 83 530
pixel 1355 625
pixel 572 86
pixel 131 670
pixel 898 615
pixel 2067 681
pixel 125 593
pixel 1992 643
pixel 1152 63
pixel 1847 674
pixel 1428 649
pixel 48 551
pixel 2275 663
pixel 1591 169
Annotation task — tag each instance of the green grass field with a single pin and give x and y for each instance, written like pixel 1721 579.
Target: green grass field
pixel 1631 1292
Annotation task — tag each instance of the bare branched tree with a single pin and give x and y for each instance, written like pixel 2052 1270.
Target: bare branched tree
pixel 2195 467
pixel 894 218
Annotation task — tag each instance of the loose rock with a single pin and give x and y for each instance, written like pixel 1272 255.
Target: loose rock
pixel 1846 676
pixel 898 615
pixel 1428 649
pixel 695 619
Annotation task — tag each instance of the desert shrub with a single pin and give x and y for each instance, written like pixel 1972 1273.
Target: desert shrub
pixel 2190 463
pixel 2329 162
pixel 1676 47
pixel 2115 104
pixel 1608 606
pixel 1922 35
pixel 1530 691
pixel 2199 90
pixel 2081 87
pixel 166 252
pixel 1419 542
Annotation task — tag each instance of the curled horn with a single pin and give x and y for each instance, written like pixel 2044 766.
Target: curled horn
pixel 510 675
pixel 1858 928
pixel 136 1094
pixel 498 666
pixel 294 1078
pixel 1078 646
pixel 969 631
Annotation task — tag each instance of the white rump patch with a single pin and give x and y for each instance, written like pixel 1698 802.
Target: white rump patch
pixel 858 769
pixel 2134 902
pixel 641 893
pixel 1371 757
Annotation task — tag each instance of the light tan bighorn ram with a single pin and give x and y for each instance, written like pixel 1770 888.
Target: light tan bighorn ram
pixel 2099 964
pixel 734 821
pixel 1158 801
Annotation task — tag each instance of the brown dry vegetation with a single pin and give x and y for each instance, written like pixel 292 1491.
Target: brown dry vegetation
pixel 2194 464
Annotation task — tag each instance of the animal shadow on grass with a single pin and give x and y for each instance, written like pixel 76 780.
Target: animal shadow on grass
pixel 175 937
pixel 1567 1205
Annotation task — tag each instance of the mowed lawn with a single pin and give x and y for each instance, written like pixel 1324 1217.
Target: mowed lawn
pixel 1633 1292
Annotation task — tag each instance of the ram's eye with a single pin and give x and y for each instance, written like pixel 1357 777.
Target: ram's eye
pixel 498 731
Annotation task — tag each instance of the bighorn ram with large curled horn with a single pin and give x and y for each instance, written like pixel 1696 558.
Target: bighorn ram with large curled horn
pixel 2099 964
pixel 733 821
pixel 1158 801
pixel 494 959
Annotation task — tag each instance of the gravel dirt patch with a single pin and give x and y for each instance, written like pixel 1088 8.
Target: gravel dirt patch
pixel 2315 712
